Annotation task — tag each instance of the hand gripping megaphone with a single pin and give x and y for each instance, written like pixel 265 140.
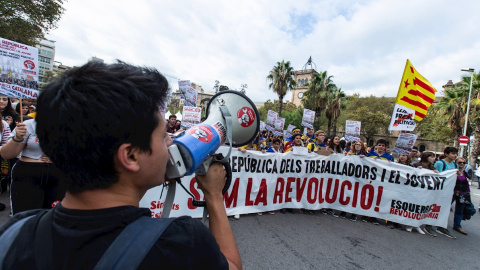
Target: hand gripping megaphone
pixel 232 118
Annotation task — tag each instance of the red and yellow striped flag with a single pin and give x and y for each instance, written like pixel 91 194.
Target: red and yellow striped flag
pixel 415 92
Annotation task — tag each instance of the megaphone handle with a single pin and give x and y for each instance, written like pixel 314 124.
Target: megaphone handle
pixel 226 164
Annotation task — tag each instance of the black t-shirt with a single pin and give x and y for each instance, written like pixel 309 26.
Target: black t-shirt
pixel 80 237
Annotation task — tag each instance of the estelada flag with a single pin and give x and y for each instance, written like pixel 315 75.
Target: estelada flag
pixel 415 92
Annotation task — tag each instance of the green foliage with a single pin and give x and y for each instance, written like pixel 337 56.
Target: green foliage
pixel 269 105
pixel 434 126
pixel 27 21
pixel 373 112
pixel 281 81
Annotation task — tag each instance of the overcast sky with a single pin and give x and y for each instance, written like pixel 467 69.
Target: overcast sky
pixel 363 44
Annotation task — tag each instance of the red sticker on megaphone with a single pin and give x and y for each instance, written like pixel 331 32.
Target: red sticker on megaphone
pixel 246 116
pixel 202 133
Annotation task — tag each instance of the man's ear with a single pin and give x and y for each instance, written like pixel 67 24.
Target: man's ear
pixel 127 157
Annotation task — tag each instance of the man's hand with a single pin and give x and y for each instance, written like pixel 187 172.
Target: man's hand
pixel 213 182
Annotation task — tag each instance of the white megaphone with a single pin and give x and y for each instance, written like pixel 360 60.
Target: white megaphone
pixel 232 118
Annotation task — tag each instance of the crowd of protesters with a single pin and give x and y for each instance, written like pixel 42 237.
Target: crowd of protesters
pixel 318 142
pixel 21 82
pixel 35 182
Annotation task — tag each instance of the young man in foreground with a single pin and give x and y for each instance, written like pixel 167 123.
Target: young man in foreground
pixel 101 125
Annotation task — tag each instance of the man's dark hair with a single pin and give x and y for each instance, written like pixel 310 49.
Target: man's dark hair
pixel 277 140
pixel 172 116
pixel 83 117
pixel 450 149
pixel 415 147
pixel 382 141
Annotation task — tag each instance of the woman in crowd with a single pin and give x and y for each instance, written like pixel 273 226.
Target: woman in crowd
pixel 24 111
pixel 357 149
pixel 404 159
pixel 426 162
pixel 296 141
pixel 7 110
pixel 334 145
pixel 461 195
pixel 36 182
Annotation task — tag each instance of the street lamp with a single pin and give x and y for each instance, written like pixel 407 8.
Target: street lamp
pixel 471 71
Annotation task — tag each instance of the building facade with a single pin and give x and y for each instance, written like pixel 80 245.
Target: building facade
pixel 46 58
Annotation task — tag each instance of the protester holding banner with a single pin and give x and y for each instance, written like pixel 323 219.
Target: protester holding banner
pixel 461 196
pixel 405 159
pixel 296 141
pixel 309 137
pixel 36 182
pixel 314 146
pixel 380 151
pixel 358 149
pixel 275 148
pixel 448 163
pixel 335 146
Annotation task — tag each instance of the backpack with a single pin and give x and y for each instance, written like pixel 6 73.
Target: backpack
pixel 444 163
pixel 126 252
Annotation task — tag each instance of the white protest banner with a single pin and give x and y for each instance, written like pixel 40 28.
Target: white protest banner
pixel 279 125
pixel 363 186
pixel 308 118
pixel 286 134
pixel 18 70
pixel 262 125
pixel 271 117
pixel 352 130
pixel 182 87
pixel 191 116
pixel 191 97
pixel 402 118
pixel 405 143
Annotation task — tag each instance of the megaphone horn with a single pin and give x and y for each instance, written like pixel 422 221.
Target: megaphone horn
pixel 232 118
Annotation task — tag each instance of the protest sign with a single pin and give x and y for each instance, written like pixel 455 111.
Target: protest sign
pixel 405 143
pixel 191 97
pixel 279 124
pixel 362 186
pixel 191 116
pixel 402 118
pixel 18 70
pixel 308 118
pixel 182 87
pixel 271 117
pixel 262 125
pixel 352 130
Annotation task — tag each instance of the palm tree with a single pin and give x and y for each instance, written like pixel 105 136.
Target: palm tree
pixel 281 77
pixel 337 100
pixel 452 105
pixel 474 115
pixel 316 96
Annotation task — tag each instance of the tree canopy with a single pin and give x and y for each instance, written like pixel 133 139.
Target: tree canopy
pixel 28 21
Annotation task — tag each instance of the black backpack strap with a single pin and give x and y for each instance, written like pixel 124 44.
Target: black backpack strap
pixel 43 243
pixel 134 242
pixel 7 238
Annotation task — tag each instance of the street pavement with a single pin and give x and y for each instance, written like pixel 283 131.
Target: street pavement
pixel 306 241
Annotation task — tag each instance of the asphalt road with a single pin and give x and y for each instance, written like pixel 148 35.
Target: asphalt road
pixel 305 241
